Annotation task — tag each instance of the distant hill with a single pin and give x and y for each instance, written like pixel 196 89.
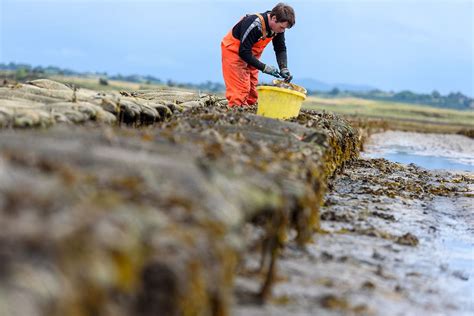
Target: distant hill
pixel 313 84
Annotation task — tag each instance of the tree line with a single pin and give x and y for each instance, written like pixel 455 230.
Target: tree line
pixel 23 72
pixel 453 100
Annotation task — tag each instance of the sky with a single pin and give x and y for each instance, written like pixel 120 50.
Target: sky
pixel 418 45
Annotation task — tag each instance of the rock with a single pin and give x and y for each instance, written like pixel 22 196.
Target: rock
pixel 49 84
pixel 407 240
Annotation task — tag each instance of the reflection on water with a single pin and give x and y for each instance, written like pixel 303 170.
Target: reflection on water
pixel 430 151
pixel 428 162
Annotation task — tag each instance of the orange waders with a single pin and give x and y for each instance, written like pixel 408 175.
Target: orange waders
pixel 240 78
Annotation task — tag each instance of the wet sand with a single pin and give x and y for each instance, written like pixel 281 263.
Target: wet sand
pixel 396 240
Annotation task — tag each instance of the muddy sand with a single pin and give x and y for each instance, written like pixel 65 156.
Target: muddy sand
pixel 395 240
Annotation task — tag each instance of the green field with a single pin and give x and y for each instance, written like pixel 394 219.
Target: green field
pixel 400 116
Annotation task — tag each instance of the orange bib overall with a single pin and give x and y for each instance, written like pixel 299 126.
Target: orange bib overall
pixel 240 78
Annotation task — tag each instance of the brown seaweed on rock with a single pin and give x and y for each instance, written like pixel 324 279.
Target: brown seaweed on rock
pixel 121 221
pixel 36 103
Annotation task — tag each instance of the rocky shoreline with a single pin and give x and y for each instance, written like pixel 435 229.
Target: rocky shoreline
pixel 122 220
pixel 167 202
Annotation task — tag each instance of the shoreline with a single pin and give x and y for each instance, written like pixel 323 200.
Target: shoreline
pixel 381 251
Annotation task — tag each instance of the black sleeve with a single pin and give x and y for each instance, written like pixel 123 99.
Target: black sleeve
pixel 280 50
pixel 245 49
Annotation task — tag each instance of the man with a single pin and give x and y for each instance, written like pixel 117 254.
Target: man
pixel 243 46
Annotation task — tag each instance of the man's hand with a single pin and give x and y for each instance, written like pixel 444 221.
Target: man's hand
pixel 285 73
pixel 270 70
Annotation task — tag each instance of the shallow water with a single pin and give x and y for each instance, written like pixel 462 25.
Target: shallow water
pixel 428 162
pixel 430 151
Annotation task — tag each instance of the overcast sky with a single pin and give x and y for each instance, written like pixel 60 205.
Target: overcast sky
pixel 420 45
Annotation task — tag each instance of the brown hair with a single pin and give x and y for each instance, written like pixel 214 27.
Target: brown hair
pixel 284 13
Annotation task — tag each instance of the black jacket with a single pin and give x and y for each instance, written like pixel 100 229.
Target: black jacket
pixel 248 31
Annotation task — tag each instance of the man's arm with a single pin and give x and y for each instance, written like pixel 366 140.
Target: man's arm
pixel 280 50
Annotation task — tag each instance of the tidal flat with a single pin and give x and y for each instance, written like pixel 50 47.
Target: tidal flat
pixel 394 240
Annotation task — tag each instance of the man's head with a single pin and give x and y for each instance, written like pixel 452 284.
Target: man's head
pixel 282 17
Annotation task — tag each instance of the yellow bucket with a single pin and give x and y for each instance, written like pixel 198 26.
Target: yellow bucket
pixel 280 103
